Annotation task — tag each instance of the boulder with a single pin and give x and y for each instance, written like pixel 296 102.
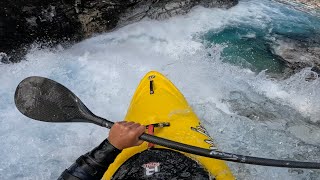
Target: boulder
pixel 52 22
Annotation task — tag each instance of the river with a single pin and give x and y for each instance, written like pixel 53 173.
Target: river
pixel 222 62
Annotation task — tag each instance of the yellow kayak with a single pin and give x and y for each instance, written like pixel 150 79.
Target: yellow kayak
pixel 157 100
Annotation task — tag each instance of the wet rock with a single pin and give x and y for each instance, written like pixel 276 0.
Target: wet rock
pixel 299 49
pixel 316 70
pixel 298 54
pixel 165 9
pixel 4 58
pixel 23 22
pixel 168 8
pixel 311 76
pixel 306 4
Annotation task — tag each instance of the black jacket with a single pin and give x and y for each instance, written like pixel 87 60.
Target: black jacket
pixel 93 164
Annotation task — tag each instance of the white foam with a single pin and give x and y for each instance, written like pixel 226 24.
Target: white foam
pixel 105 70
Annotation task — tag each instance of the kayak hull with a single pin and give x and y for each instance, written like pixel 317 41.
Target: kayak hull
pixel 157 100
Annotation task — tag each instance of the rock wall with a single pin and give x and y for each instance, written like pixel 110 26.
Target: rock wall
pixel 24 22
pixel 308 4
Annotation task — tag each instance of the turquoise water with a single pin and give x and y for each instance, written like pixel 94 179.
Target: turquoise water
pixel 212 55
pixel 246 47
pixel 249 44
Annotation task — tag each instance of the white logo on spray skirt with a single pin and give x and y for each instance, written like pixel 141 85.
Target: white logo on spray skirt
pixel 151 168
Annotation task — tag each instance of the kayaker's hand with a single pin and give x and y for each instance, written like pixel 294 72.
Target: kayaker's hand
pixel 126 134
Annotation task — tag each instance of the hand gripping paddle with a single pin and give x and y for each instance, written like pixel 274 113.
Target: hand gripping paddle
pixel 43 99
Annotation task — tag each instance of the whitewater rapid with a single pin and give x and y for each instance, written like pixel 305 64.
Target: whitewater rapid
pixel 245 111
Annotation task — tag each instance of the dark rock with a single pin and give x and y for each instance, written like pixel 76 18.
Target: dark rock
pixel 165 9
pixel 29 21
pixel 23 22
pixel 316 69
pixel 168 8
pixel 4 58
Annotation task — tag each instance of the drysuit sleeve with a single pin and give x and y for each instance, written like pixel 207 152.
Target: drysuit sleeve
pixel 92 165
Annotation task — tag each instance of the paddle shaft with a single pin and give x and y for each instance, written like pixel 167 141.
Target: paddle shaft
pixel 217 154
pixel 45 100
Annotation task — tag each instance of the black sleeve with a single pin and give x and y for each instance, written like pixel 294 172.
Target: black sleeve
pixel 93 164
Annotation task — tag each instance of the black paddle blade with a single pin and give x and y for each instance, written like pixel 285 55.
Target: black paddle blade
pixel 43 99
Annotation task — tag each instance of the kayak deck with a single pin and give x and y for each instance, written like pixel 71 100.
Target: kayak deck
pixel 157 100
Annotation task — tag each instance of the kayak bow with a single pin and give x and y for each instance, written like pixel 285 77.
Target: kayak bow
pixel 157 101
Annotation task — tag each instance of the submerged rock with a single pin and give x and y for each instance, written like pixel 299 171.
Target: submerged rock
pixel 278 116
pixel 23 22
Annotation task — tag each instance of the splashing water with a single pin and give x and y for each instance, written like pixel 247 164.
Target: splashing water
pixel 245 111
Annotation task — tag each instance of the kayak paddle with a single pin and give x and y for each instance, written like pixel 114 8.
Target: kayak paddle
pixel 43 99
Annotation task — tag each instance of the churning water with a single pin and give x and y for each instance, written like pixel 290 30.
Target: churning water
pixel 219 59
